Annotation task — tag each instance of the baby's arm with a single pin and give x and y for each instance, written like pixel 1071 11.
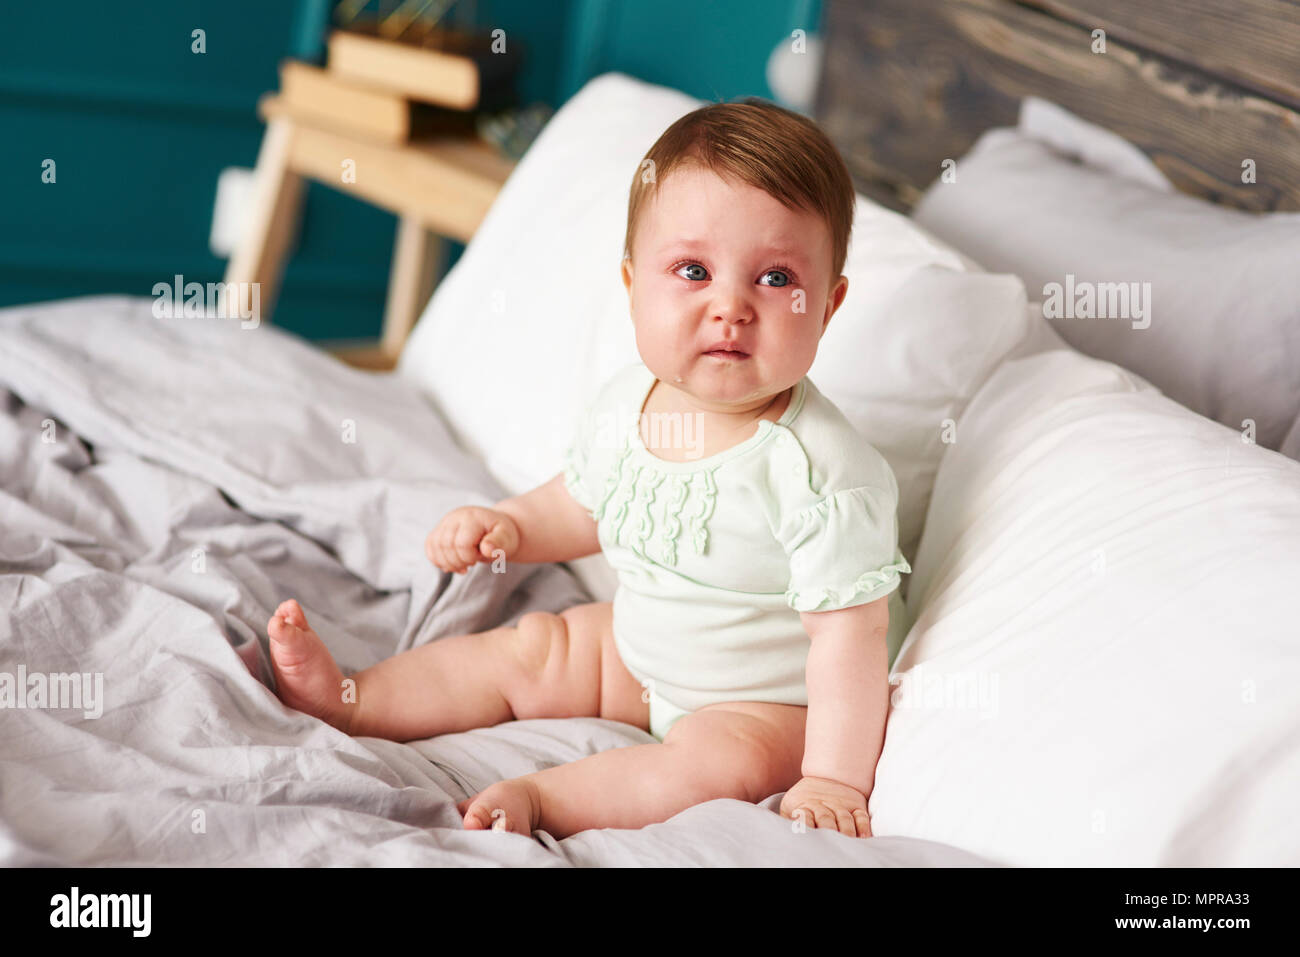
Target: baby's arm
pixel 848 703
pixel 552 526
pixel 544 525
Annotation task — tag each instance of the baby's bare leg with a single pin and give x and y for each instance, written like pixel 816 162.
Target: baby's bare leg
pixel 745 750
pixel 546 666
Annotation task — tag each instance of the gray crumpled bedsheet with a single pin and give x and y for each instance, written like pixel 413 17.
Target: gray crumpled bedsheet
pixel 164 484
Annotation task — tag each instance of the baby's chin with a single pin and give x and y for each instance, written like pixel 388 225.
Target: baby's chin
pixel 724 382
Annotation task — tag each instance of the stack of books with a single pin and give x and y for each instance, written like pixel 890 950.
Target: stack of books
pixel 397 91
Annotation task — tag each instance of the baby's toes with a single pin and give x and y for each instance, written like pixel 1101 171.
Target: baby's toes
pixel 290 645
pixel 292 612
pixel 279 629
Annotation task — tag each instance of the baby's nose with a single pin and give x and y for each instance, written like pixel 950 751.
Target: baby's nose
pixel 734 310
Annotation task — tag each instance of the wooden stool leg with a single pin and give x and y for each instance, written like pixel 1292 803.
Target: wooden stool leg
pixel 273 217
pixel 417 260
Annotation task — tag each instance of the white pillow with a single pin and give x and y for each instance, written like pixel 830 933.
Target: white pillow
pixel 1090 144
pixel 1116 576
pixel 1224 333
pixel 534 318
pixel 911 344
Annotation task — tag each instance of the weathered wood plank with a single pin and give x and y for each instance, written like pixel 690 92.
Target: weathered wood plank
pixel 1255 43
pixel 909 83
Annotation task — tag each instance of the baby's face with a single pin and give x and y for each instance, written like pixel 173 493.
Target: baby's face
pixel 720 261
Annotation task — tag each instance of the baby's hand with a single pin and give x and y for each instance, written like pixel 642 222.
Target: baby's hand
pixel 469 535
pixel 823 803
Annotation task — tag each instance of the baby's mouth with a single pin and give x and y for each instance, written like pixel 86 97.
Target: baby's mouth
pixel 723 350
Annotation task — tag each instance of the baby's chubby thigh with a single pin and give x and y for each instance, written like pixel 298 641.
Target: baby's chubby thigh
pixel 747 750
pixel 570 667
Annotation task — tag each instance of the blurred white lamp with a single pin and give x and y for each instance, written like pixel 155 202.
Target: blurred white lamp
pixel 793 68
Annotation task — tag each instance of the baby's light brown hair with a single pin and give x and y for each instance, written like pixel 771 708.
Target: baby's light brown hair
pixel 763 145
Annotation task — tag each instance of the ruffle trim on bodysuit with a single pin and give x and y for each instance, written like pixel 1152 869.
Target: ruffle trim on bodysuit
pixel 825 541
pixel 828 599
pixel 630 492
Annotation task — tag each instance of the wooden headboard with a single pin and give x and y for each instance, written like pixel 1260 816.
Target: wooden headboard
pixel 1200 85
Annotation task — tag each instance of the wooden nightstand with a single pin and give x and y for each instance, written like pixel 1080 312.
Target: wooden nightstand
pixel 438 188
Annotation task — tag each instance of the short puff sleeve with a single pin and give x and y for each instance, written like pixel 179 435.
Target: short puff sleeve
pixel 843 550
pixel 576 464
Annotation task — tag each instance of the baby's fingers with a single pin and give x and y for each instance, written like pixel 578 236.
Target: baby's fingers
pixel 502 537
pixel 863 821
pixel 853 823
pixel 464 546
pixel 440 551
pixel 433 550
pixel 821 815
pixel 844 821
pixel 449 560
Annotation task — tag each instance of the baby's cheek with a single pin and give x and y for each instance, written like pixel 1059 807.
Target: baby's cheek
pixel 801 334
pixel 659 347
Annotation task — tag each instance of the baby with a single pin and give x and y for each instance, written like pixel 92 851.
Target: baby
pixel 755 562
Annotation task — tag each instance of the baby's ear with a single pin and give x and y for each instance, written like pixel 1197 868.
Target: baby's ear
pixel 835 299
pixel 625 270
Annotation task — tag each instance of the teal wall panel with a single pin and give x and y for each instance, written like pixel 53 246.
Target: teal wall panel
pixel 711 49
pixel 140 127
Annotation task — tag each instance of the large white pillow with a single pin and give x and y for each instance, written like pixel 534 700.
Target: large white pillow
pixel 1094 146
pixel 1105 656
pixel 534 318
pixel 1222 331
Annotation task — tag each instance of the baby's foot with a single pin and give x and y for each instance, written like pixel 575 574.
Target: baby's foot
pixel 306 676
pixel 514 805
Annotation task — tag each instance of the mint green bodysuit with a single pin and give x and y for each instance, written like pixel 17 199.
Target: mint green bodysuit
pixel 717 556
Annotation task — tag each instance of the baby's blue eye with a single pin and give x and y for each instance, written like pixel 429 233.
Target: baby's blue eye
pixel 785 279
pixel 702 274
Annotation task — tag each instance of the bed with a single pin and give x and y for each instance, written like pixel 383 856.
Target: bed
pixel 1096 655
